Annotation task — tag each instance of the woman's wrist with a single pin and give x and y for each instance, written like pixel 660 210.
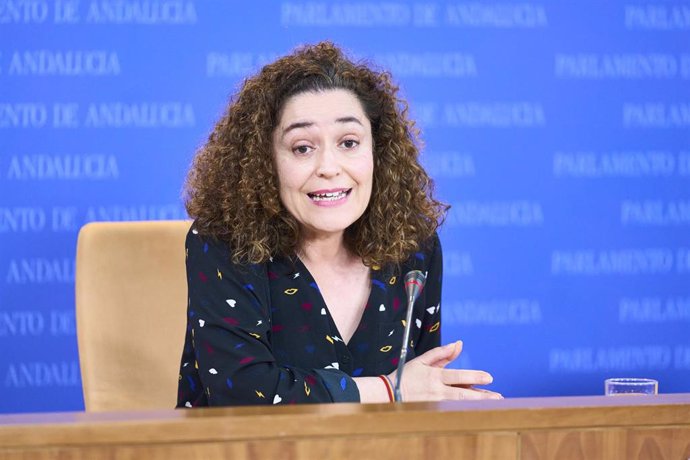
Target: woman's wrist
pixel 391 378
pixel 371 390
pixel 389 387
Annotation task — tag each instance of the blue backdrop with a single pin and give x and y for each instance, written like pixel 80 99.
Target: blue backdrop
pixel 559 132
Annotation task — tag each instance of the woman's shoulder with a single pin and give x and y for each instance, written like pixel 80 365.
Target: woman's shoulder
pixel 198 241
pixel 209 249
pixel 423 258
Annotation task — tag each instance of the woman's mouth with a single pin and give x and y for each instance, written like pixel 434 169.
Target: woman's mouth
pixel 329 195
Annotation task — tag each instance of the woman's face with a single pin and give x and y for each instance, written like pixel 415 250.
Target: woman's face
pixel 324 159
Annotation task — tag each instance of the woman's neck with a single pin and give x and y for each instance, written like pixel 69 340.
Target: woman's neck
pixel 325 249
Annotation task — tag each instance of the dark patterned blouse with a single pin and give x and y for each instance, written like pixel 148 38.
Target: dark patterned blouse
pixel 262 334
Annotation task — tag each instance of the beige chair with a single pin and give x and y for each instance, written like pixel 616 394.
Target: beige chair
pixel 131 297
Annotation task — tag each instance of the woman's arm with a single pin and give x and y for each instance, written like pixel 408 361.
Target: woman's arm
pixel 428 305
pixel 228 358
pixel 425 377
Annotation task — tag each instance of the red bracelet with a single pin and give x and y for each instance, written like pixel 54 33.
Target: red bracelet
pixel 389 387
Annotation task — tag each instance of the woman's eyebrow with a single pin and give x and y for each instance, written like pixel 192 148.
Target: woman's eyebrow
pixel 296 125
pixel 349 120
pixel 307 124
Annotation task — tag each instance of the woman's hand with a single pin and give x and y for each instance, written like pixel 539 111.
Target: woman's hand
pixel 426 379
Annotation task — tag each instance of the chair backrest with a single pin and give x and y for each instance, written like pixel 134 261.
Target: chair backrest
pixel 131 299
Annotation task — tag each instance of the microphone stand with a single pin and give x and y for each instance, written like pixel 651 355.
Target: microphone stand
pixel 414 283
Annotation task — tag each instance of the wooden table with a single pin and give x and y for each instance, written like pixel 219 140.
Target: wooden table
pixel 625 427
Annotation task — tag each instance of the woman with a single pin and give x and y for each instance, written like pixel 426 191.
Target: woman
pixel 310 206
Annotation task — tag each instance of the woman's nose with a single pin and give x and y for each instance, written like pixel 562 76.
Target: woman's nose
pixel 328 163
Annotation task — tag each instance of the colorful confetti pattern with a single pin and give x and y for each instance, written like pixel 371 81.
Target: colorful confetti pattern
pixel 262 334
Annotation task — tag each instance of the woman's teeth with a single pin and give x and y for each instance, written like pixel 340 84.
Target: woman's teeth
pixel 330 196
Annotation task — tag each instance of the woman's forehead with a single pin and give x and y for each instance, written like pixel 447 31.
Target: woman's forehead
pixel 331 106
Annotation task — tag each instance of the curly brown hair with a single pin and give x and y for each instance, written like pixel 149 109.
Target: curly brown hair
pixel 232 187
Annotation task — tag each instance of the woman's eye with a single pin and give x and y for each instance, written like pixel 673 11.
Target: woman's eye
pixel 302 149
pixel 349 143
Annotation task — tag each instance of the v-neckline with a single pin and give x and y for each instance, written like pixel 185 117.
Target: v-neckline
pixel 331 320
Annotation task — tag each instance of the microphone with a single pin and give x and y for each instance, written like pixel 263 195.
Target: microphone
pixel 414 283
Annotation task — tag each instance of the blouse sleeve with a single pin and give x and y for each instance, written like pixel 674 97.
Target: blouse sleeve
pixel 430 336
pixel 228 358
